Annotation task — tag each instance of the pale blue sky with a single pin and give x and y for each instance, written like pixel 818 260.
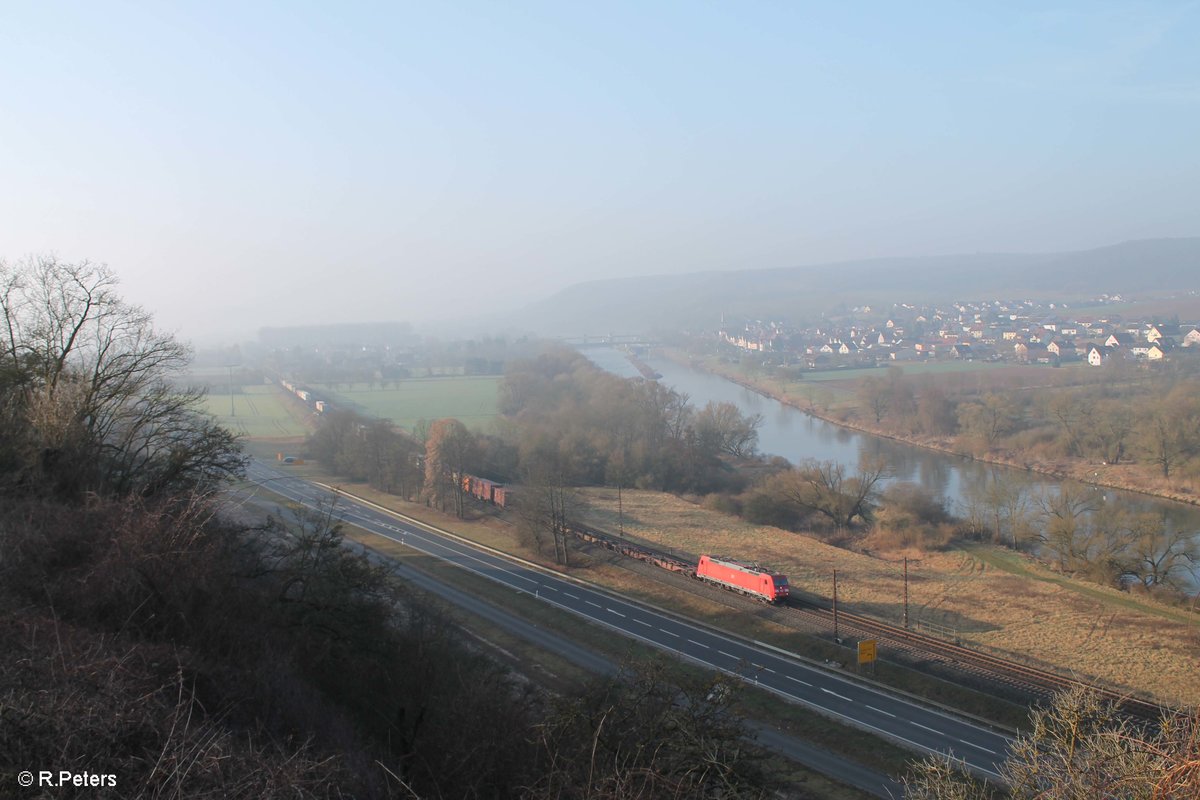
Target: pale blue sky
pixel 244 164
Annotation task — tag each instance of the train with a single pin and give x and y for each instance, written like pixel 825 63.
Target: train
pixel 486 491
pixel 305 396
pixel 742 577
pixel 748 579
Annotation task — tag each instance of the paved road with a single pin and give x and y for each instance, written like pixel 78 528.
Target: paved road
pixel 865 707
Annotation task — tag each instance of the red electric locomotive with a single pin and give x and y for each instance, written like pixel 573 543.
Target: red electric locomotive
pixel 749 579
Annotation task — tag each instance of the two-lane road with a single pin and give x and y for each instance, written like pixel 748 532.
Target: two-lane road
pixel 863 706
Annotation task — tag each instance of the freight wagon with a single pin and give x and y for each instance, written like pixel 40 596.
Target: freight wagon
pixel 486 491
pixel 749 579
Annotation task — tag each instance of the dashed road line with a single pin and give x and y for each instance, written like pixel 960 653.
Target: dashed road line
pixel 978 747
pixel 881 711
pixel 797 680
pixel 618 613
pixel 835 694
pixel 699 644
pixel 669 633
pixel 590 603
pixel 572 596
pixel 926 727
pixel 643 622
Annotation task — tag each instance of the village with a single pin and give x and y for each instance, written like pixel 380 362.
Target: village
pixel 1017 331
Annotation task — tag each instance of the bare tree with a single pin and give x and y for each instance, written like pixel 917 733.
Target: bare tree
pixel 823 487
pixel 640 735
pixel 1007 499
pixel 1081 748
pixel 722 427
pixel 94 381
pixel 992 417
pixel 1074 415
pixel 1113 428
pixel 1169 432
pixel 547 504
pixel 875 395
pixel 1065 518
pixel 1162 554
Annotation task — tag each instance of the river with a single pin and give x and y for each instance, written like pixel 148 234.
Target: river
pixel 789 432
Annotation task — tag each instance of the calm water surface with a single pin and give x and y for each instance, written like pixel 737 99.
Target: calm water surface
pixel 796 436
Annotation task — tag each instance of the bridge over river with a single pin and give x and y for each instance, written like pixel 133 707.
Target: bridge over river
pixel 609 340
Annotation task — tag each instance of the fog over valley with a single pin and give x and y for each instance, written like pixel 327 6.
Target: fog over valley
pixel 257 167
pixel 611 401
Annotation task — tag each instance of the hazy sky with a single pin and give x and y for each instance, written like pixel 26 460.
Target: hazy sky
pixel 247 164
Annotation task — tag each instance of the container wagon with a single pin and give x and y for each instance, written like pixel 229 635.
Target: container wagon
pixel 749 579
pixel 501 495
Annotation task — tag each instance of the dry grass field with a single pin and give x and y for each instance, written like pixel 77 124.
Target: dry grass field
pixel 994 599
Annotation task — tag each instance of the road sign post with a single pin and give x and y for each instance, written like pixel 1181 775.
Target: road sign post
pixel 867 649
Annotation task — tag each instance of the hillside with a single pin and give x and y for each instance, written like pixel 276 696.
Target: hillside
pixel 698 299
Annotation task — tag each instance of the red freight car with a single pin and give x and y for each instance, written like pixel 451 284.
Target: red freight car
pixel 500 494
pixel 748 579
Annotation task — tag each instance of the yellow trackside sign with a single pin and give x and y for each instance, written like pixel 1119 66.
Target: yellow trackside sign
pixel 866 651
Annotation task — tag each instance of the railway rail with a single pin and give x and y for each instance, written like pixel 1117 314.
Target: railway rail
pixel 1013 674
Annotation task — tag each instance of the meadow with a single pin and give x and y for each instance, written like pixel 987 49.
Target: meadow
pixel 259 411
pixel 473 400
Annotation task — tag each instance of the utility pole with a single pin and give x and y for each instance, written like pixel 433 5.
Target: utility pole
pixel 835 616
pixel 232 411
pixel 620 510
pixel 906 592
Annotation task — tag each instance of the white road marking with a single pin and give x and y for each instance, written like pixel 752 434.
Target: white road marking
pixel 618 613
pixel 731 655
pixel 572 596
pixel 926 727
pixel 881 711
pixel 978 747
pixel 491 574
pixel 835 694
pixel 765 669
pixel 551 588
pixel 590 603
pixel 699 644
pixel 643 622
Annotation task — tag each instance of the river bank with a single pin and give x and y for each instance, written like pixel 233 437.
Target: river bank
pixel 1108 476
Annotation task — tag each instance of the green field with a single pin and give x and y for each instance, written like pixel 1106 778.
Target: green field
pixel 473 400
pixel 259 411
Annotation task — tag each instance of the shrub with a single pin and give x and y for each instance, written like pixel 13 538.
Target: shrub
pixel 724 503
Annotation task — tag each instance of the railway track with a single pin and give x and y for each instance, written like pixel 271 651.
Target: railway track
pixel 1013 674
pixel 1024 678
